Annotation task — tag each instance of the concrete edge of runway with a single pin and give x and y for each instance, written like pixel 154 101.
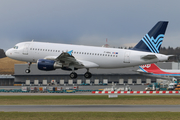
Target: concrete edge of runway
pixel 90 108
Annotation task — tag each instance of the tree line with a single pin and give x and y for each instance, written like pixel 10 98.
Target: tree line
pixel 2 53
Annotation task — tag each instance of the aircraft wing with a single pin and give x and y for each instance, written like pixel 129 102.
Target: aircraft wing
pixel 142 72
pixel 67 59
pixel 169 78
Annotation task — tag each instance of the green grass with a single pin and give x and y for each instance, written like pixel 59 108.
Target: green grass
pixel 89 115
pixel 92 99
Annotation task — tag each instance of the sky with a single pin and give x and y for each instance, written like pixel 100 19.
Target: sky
pixel 87 22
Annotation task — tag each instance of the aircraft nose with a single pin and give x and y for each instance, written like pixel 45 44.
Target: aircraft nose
pixel 8 53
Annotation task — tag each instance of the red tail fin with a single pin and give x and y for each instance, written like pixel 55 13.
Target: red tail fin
pixel 150 67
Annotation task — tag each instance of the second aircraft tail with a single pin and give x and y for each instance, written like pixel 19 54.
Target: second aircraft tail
pixel 149 68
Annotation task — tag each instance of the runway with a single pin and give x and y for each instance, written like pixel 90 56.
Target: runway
pixel 90 108
pixel 68 94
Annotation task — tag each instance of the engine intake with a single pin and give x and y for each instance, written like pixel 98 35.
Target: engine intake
pixel 47 65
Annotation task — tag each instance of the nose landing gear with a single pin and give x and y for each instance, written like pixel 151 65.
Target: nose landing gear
pixel 28 70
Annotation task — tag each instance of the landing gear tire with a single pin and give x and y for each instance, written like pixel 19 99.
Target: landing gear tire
pixel 87 75
pixel 27 70
pixel 73 75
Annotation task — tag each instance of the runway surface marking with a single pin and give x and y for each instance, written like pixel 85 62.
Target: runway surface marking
pixel 90 108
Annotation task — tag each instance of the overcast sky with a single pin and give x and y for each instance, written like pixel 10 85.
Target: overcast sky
pixel 87 22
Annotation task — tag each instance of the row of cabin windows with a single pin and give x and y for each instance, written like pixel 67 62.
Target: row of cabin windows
pixel 94 54
pixel 45 50
pixel 74 52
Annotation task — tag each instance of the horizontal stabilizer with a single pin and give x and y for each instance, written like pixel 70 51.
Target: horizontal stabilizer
pixel 149 57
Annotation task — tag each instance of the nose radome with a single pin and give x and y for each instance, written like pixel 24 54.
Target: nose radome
pixel 8 52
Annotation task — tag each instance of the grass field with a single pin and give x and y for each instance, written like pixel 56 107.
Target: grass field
pixel 89 115
pixel 7 65
pixel 92 99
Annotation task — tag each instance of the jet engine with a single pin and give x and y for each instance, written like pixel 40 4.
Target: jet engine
pixel 47 65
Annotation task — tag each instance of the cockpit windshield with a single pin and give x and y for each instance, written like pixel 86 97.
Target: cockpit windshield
pixel 15 47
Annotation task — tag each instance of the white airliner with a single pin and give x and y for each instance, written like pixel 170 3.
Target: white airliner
pixel 51 56
pixel 154 70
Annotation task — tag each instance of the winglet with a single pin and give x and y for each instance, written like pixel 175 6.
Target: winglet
pixel 70 52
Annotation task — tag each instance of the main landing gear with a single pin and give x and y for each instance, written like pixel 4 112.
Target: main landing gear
pixel 28 70
pixel 87 74
pixel 74 75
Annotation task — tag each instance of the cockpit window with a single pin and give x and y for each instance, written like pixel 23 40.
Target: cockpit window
pixel 15 47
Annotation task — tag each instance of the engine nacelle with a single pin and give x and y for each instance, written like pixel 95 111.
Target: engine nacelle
pixel 47 65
